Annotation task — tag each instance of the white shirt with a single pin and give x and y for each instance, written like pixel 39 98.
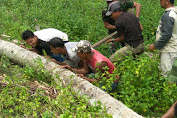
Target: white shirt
pixel 71 54
pixel 49 33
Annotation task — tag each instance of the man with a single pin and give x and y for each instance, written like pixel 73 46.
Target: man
pixel 172 112
pixel 38 41
pixel 129 31
pixel 107 20
pixel 166 36
pixel 58 47
pixel 125 6
pixel 93 60
pixel 109 23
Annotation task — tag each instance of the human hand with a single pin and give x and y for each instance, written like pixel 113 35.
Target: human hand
pixel 52 59
pixel 23 46
pixel 47 56
pixel 81 75
pixel 151 47
pixel 109 40
pixel 67 67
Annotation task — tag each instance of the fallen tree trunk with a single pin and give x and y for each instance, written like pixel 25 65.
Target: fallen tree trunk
pixel 24 57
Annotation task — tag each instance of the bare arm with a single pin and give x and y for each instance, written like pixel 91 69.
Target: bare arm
pixel 119 39
pixel 170 112
pixel 83 70
pixel 86 78
pixel 137 6
pixel 109 26
pixel 30 49
pixel 60 63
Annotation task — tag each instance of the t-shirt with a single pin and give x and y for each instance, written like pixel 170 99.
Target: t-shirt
pixel 97 58
pixel 71 55
pixel 128 24
pixel 43 46
pixel 49 33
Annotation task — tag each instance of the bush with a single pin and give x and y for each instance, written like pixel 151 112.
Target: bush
pixel 20 99
pixel 142 88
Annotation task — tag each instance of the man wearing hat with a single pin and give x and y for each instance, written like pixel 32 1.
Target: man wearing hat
pixel 38 41
pixel 109 23
pixel 129 31
pixel 94 61
pixel 166 36
pixel 125 5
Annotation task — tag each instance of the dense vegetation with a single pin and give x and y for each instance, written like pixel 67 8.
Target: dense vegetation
pixel 142 88
pixel 25 92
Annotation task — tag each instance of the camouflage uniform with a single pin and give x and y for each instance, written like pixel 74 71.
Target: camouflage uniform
pixel 127 5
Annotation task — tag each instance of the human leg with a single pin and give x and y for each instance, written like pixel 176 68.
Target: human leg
pixel 166 61
pixel 139 49
pixel 118 55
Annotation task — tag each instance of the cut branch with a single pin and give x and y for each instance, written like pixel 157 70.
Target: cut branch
pixel 104 40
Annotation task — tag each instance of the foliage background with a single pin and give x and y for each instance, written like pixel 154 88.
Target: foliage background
pixel 142 87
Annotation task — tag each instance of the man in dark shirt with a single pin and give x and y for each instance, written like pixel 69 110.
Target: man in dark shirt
pixel 128 29
pixel 39 46
pixel 109 23
pixel 125 5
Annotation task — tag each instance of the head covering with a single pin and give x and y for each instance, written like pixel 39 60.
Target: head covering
pixel 114 6
pixel 82 46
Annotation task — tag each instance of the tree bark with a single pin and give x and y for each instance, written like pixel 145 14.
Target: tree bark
pixel 24 57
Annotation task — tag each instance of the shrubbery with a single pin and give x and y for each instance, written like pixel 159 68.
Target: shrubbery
pixel 20 97
pixel 141 87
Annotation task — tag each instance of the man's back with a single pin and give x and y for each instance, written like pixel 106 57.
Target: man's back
pixel 128 25
pixel 49 33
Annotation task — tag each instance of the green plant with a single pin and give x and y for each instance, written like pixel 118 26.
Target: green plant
pixel 20 97
pixel 142 87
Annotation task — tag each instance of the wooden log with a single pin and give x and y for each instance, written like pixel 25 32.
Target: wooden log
pixel 80 86
pixel 104 40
